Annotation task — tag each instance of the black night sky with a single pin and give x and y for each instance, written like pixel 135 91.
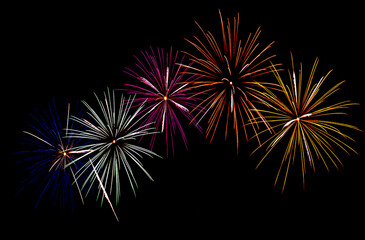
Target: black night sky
pixel 58 51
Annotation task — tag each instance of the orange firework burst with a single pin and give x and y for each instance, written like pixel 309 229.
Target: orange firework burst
pixel 228 73
pixel 305 123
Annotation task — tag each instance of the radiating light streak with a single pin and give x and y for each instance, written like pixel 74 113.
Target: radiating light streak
pixel 104 191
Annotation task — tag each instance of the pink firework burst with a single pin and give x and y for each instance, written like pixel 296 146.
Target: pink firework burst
pixel 165 89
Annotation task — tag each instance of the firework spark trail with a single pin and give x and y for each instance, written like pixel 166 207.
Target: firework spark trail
pixel 165 89
pixel 228 78
pixel 303 119
pixel 51 152
pixel 104 191
pixel 111 130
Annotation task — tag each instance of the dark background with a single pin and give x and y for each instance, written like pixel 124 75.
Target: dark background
pixel 57 51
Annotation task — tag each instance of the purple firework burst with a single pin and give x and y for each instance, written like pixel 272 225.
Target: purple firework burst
pixel 165 89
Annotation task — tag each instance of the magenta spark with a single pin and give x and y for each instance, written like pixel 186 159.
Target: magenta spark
pixel 164 88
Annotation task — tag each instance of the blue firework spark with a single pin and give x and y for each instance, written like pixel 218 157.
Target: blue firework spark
pixel 46 153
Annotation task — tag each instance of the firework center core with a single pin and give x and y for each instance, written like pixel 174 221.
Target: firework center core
pixel 114 141
pixel 305 115
pixel 165 98
pixel 64 154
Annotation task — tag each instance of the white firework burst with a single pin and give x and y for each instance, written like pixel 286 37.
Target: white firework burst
pixel 111 131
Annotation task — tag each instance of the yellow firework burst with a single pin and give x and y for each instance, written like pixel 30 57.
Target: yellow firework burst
pixel 305 123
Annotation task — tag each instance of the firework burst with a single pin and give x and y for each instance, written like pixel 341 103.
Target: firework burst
pixel 48 154
pixel 228 73
pixel 165 90
pixel 111 131
pixel 307 125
